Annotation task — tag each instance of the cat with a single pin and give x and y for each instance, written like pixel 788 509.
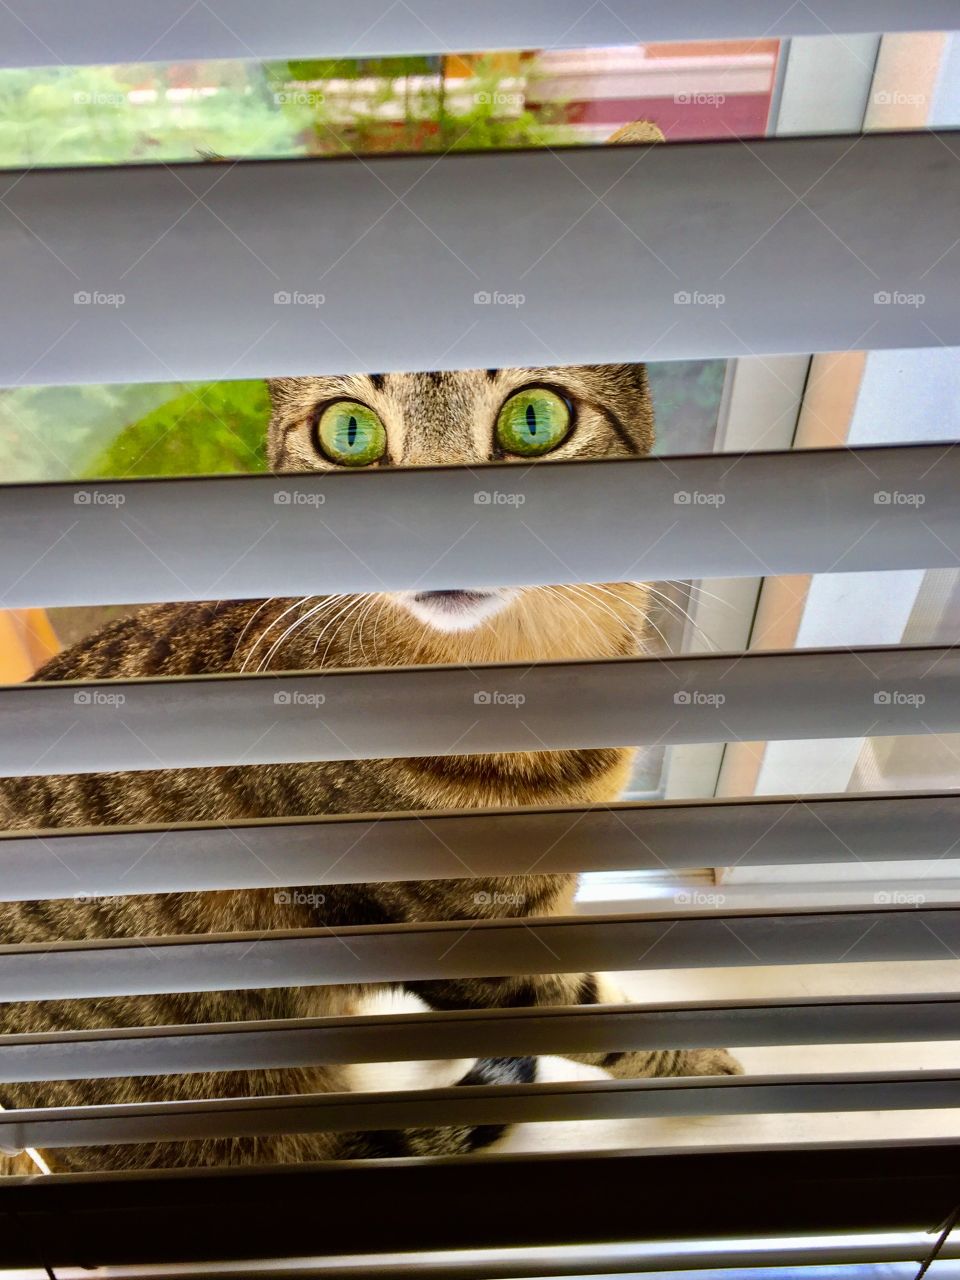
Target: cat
pixel 350 422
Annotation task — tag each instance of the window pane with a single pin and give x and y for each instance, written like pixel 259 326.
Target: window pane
pixel 186 111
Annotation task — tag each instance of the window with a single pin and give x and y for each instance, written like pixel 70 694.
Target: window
pixel 175 391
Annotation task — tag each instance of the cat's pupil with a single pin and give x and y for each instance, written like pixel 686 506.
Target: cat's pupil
pixel 531 420
pixel 351 431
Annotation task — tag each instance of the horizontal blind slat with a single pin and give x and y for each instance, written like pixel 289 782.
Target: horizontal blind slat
pixel 711 235
pixel 173 1215
pixel 720 515
pixel 476 1104
pixel 46 32
pixel 74 727
pixel 353 849
pixel 71 1055
pixel 482 948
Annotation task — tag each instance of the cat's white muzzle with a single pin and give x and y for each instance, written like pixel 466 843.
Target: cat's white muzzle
pixel 455 610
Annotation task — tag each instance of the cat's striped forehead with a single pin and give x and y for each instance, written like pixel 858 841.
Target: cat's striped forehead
pixel 450 416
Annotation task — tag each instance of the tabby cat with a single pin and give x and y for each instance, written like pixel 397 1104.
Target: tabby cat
pixel 322 423
pixel 325 423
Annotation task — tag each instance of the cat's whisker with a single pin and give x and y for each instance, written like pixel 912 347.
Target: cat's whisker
pixel 249 623
pixel 353 604
pixel 297 623
pixel 423 639
pixel 638 608
pixel 372 602
pixel 592 589
pixel 667 598
pixel 695 588
pixel 621 597
pixel 569 601
pixel 339 608
pixel 269 627
pixel 323 602
pixel 663 638
pixel 356 609
pixel 708 641
pixel 355 634
pixel 377 615
pixel 672 611
pixel 476 648
pixel 598 588
pixel 568 594
pixel 386 605
pixel 684 615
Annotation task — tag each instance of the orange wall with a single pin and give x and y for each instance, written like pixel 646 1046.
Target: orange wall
pixel 27 640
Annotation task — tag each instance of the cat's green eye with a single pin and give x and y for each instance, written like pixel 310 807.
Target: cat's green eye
pixel 351 434
pixel 534 421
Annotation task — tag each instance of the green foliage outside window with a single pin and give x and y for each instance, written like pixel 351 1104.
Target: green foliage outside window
pixel 209 428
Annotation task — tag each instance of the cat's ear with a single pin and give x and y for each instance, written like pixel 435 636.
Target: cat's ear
pixel 638 131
